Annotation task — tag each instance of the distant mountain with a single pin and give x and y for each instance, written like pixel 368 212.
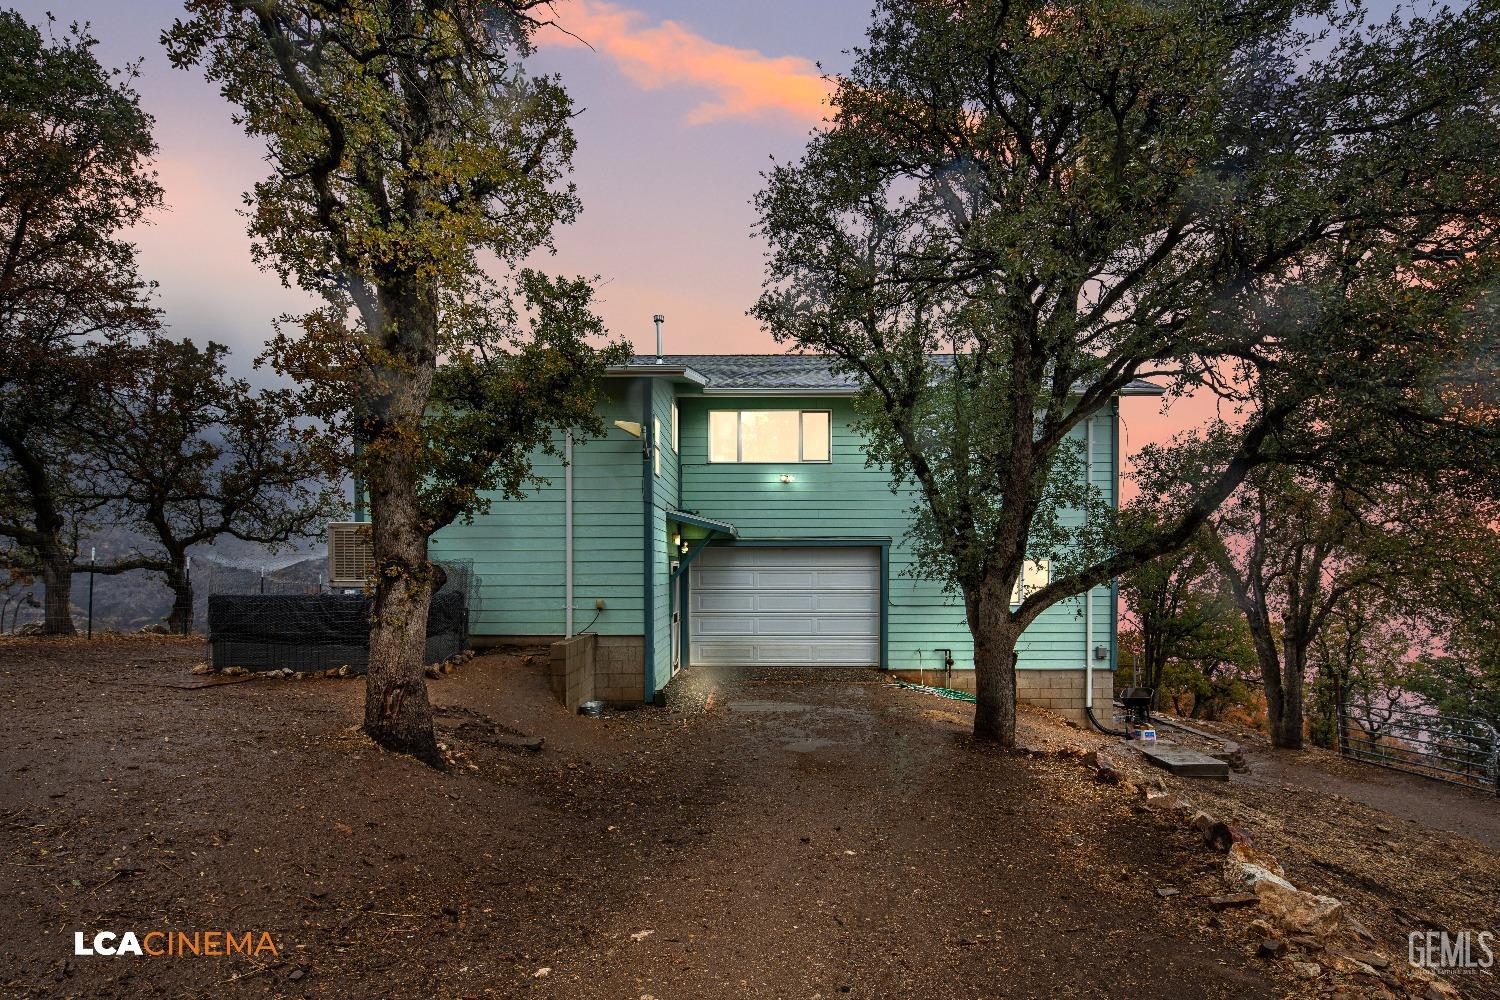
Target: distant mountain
pixel 131 601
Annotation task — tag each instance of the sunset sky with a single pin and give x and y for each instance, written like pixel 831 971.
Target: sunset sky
pixel 682 103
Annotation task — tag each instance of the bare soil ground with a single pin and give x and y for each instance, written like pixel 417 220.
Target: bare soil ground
pixel 805 836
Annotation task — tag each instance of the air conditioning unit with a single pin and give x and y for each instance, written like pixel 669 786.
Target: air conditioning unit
pixel 351 558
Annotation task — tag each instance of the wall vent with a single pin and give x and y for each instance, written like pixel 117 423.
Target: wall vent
pixel 351 560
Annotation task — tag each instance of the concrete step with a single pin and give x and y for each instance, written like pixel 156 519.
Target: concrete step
pixel 1181 761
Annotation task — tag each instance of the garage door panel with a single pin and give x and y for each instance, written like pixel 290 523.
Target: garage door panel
pixel 793 606
pixel 711 601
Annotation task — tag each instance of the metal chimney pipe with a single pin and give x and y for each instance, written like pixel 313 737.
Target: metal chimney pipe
pixel 658 319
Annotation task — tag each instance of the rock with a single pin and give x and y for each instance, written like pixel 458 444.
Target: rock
pixel 1232 901
pixel 1221 836
pixel 1167 891
pixel 432 673
pixel 542 973
pixel 1201 821
pixel 1370 958
pixel 203 668
pixel 1107 775
pixel 1295 910
pixel 1260 928
pixel 331 672
pixel 1439 990
pixel 1302 942
pixel 1359 929
pixel 296 974
pixel 448 667
pixel 641 935
pixel 1307 970
pixel 1271 948
pixel 344 670
pixel 157 629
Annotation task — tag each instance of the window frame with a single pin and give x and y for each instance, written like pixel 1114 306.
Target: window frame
pixel 739 437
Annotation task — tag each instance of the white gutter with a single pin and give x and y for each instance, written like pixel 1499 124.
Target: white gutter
pixel 1088 596
pixel 568 534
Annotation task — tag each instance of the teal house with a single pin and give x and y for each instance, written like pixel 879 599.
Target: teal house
pixel 728 518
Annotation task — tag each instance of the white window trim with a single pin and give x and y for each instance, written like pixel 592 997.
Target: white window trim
pixel 676 426
pixel 739 438
pixel 656 443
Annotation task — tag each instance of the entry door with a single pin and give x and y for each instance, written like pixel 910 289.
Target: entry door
pixel 676 625
pixel 793 606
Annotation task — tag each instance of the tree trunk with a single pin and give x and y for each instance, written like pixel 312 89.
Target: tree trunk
pixel 57 599
pixel 180 620
pixel 995 638
pixel 1287 734
pixel 398 714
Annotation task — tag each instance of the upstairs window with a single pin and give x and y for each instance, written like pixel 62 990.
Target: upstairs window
pixel 769 436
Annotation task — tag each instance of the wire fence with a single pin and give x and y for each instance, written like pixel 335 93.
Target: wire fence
pixel 1458 751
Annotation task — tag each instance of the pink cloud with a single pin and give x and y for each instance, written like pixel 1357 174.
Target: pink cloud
pixel 744 83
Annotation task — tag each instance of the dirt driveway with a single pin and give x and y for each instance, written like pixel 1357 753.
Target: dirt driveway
pixel 820 836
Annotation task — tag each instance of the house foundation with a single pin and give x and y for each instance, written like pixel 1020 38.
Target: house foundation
pixel 1060 691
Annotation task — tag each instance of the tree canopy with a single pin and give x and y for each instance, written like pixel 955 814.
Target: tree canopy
pixel 415 167
pixel 1016 209
pixel 75 152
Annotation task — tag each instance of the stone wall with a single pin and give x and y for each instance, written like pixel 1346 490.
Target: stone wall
pixel 1058 690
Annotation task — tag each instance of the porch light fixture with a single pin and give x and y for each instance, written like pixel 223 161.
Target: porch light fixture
pixel 677 538
pixel 787 477
pixel 685 548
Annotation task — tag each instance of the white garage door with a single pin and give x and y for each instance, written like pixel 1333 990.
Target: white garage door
pixel 785 607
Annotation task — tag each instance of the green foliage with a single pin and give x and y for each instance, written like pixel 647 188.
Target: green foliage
pixel 416 166
pixel 1017 208
pixel 1466 681
pixel 1183 615
pixel 75 152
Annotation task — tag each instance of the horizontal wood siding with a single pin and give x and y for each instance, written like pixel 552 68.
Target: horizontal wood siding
pixel 517 547
pixel 847 499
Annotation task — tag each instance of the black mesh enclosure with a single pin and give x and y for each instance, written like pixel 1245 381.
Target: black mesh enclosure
pixel 319 631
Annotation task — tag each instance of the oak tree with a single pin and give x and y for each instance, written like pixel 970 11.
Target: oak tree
pixel 1017 208
pixel 415 167
pixel 184 454
pixel 75 152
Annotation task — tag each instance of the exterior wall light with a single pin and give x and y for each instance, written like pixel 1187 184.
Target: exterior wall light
pixel 787 477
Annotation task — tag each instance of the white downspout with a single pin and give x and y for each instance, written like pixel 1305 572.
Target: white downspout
pixel 568 533
pixel 1088 596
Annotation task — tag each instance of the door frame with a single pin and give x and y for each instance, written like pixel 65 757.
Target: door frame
pixel 881 542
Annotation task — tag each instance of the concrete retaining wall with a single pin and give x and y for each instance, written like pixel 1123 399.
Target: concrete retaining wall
pixel 572 670
pixel 608 667
pixel 1058 690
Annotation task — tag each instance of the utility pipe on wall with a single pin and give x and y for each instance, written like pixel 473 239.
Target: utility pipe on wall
pixel 568 533
pixel 1088 598
pixel 1088 595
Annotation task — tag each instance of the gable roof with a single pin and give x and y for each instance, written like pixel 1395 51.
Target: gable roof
pixel 777 373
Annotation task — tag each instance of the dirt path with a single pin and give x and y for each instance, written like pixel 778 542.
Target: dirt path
pixel 1438 807
pixel 822 838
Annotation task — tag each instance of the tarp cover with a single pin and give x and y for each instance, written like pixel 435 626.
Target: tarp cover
pixel 266 632
pixel 317 618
